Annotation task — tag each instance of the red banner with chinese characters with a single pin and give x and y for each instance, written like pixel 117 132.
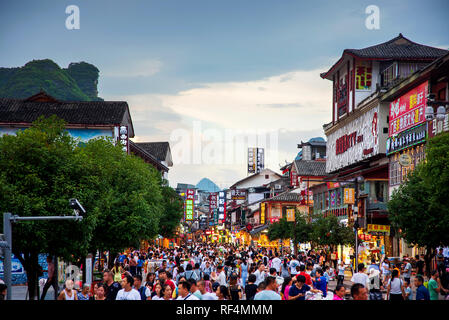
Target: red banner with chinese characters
pixel 408 110
pixel 294 178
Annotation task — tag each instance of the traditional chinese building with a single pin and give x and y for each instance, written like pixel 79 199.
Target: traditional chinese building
pixel 358 132
pixel 409 130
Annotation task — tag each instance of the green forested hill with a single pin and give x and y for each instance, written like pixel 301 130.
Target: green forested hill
pixel 77 82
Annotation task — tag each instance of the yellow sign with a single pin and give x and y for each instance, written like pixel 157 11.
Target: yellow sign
pixel 262 213
pixel 379 228
pixel 349 196
pixel 290 214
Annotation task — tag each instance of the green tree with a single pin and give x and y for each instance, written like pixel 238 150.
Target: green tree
pixel 420 206
pixel 39 172
pixel 328 231
pixel 130 204
pixel 42 167
pixel 298 231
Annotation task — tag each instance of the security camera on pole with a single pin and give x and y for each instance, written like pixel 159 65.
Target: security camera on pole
pixel 9 219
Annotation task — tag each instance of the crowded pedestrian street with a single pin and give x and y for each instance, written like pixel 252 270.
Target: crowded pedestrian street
pixel 245 155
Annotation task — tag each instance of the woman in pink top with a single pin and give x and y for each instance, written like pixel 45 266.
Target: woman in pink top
pixel 340 292
pixel 286 287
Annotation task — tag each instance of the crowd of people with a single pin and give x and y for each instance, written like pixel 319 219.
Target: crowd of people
pixel 227 272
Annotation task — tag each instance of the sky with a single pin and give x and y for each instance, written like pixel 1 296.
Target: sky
pixel 215 77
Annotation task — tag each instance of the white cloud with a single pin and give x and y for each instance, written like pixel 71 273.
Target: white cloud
pixel 297 101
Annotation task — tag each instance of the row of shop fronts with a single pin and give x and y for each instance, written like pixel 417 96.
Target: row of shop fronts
pixel 373 144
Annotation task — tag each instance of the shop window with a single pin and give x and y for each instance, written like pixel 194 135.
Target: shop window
pixel 379 191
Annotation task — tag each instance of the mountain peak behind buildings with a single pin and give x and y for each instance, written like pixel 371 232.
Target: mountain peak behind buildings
pixel 207 185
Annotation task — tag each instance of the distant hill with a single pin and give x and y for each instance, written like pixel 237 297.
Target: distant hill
pixel 77 82
pixel 207 185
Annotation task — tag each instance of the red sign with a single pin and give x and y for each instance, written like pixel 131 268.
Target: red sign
pixel 294 178
pixel 347 141
pixel 408 110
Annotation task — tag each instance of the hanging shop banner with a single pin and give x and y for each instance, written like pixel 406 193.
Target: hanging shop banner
pixel 408 110
pixel 260 160
pixel 406 139
pixel 349 195
pixel 252 159
pixel 238 194
pixel 380 228
pixel 438 126
pixel 213 203
pixel 221 206
pixel 262 213
pixel 363 75
pixel 294 178
pixel 189 210
pixel 290 215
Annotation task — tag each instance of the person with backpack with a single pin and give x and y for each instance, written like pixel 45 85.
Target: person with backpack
pixel 144 291
pixel 198 273
pixel 189 274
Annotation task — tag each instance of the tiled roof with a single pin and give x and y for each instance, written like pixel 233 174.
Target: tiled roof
pixel 73 112
pixel 287 196
pixel 157 149
pixel 149 157
pixel 310 167
pixel 399 48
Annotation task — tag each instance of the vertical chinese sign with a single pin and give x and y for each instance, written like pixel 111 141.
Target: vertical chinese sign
pixel 213 205
pixel 221 206
pixel 256 160
pixel 294 178
pixel 363 75
pixel 290 214
pixel 349 195
pixel 252 154
pixel 189 204
pixel 262 213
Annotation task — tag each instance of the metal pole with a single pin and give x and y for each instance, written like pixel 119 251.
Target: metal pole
pixel 8 251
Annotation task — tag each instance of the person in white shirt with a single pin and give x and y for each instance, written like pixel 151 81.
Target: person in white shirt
pixel 184 291
pixel 128 293
pixel 276 263
pixel 206 295
pixel 361 277
pixel 293 264
pixel 260 274
pixel 221 276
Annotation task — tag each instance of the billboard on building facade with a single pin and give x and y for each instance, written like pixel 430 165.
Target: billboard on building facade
pixel 359 139
pixel 408 110
pixel 407 139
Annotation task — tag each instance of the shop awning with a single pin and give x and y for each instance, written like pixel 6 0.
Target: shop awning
pixel 258 229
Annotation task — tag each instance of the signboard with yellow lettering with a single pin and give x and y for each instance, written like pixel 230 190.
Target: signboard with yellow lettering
pixel 349 195
pixel 379 228
pixel 262 213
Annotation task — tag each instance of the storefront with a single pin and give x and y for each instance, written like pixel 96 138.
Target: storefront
pixel 374 242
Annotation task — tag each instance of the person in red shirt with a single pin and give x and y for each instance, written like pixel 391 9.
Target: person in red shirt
pixel 302 272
